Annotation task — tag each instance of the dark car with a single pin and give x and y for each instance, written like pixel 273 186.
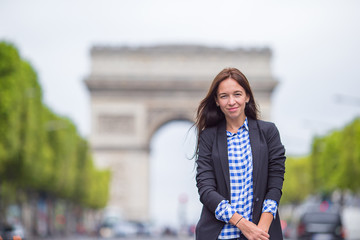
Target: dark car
pixel 12 231
pixel 320 225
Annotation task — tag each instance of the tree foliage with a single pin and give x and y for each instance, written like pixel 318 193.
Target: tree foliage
pixel 297 183
pixel 333 164
pixel 336 159
pixel 39 150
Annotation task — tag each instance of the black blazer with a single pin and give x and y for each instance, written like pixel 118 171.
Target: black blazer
pixel 213 178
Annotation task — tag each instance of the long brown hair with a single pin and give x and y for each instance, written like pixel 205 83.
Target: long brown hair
pixel 208 114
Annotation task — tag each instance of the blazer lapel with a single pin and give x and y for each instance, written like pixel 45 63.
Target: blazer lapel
pixel 255 148
pixel 223 152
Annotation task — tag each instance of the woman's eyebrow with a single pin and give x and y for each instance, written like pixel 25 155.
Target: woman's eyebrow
pixel 238 91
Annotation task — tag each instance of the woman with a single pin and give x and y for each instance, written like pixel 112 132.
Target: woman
pixel 240 164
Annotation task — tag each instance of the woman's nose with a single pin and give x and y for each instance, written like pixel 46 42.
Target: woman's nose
pixel 231 100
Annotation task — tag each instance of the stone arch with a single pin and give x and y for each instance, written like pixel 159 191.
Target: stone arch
pixel 161 121
pixel 134 91
pixel 181 165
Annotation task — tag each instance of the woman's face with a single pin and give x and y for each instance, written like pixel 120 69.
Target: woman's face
pixel 231 98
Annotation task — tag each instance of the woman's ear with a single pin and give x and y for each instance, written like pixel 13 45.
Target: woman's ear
pixel 216 101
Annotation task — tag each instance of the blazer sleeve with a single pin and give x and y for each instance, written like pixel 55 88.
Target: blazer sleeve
pixel 276 167
pixel 205 172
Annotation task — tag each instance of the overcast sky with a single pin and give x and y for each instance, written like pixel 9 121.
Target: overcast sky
pixel 315 44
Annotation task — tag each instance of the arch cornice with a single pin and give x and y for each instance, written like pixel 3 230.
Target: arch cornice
pixel 145 84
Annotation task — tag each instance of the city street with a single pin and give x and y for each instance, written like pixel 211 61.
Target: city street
pixel 120 238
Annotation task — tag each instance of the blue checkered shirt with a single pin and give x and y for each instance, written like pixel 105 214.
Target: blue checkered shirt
pixel 241 183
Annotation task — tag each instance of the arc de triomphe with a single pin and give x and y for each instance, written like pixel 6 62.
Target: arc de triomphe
pixel 134 91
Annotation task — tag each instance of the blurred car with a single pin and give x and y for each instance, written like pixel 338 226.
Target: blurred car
pixel 115 227
pixel 320 225
pixel 143 228
pixel 287 229
pixel 9 231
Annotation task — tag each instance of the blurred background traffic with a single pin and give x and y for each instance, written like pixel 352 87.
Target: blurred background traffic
pixel 97 102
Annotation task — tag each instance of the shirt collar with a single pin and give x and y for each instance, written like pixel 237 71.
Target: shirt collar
pixel 245 125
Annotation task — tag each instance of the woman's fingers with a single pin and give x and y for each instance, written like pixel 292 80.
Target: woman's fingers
pixel 252 231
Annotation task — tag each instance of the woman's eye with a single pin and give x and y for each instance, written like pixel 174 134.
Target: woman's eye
pixel 223 96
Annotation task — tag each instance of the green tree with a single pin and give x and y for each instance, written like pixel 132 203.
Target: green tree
pixel 297 185
pixel 336 159
pixel 10 108
pixel 333 164
pixel 39 150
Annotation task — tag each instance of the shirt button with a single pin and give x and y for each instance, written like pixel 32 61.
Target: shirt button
pixel 257 199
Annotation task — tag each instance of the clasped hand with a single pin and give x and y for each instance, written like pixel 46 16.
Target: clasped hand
pixel 252 231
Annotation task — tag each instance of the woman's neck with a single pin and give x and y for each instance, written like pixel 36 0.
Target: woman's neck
pixel 232 125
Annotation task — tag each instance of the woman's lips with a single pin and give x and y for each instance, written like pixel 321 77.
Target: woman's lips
pixel 232 109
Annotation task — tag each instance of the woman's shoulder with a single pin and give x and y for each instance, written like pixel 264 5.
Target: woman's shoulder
pixel 207 136
pixel 266 124
pixel 209 131
pixel 267 127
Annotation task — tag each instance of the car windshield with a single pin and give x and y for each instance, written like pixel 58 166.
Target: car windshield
pixel 9 228
pixel 321 217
